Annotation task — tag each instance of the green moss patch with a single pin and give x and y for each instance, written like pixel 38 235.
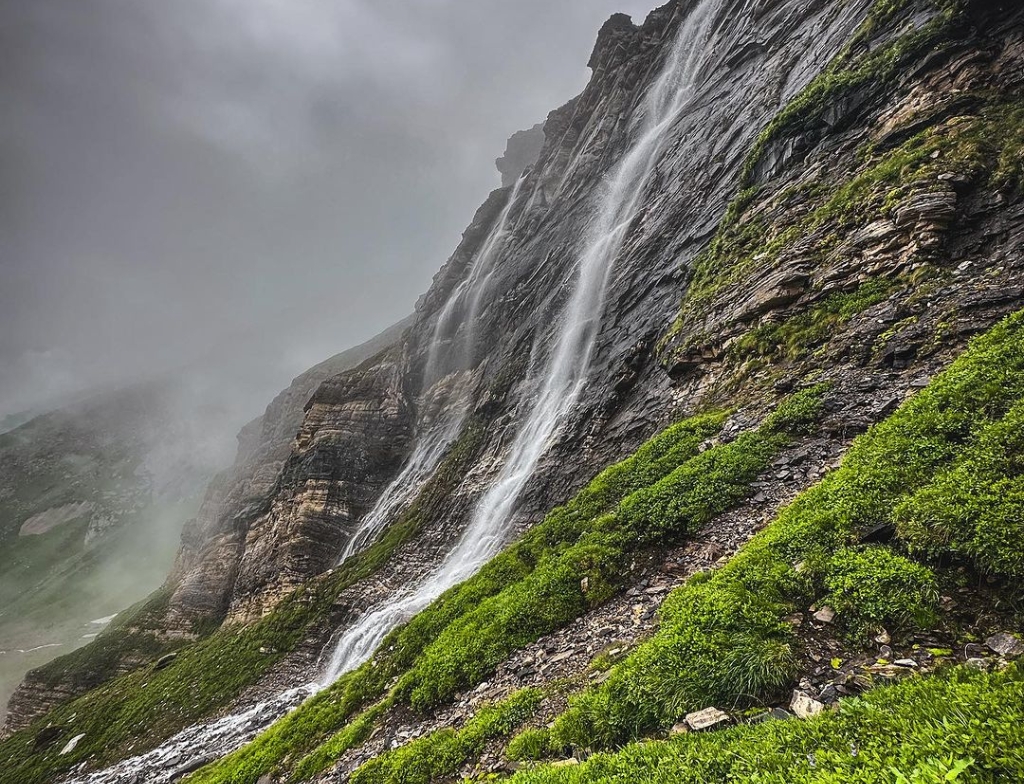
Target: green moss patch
pixel 442 753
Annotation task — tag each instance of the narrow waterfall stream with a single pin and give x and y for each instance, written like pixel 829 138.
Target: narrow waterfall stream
pixel 562 376
pixel 452 343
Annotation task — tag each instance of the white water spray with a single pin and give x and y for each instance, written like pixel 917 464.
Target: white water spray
pixel 451 349
pixel 565 372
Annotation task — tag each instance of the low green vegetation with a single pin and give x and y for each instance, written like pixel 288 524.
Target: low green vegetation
pixel 533 743
pixel 442 753
pixel 794 337
pixel 976 507
pixel 960 726
pixel 877 588
pixel 722 639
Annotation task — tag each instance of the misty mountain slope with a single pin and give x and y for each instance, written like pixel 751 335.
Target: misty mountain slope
pixel 94 496
pixel 112 462
pixel 789 219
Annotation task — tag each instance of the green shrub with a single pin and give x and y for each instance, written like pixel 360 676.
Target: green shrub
pixel 530 744
pixel 873 586
pixel 976 508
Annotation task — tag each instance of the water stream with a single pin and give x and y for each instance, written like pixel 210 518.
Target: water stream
pixel 562 377
pixel 451 349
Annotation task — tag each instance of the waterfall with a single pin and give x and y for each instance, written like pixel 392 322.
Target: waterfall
pixel 564 373
pixel 458 315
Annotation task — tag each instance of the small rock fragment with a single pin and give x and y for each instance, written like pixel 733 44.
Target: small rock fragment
pixel 804 706
pixel 905 663
pixel 1006 645
pixel 165 661
pixel 706 719
pixel 71 744
pixel 825 615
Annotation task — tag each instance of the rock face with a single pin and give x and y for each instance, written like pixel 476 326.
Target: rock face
pixel 522 151
pixel 358 427
pixel 213 543
pixel 792 304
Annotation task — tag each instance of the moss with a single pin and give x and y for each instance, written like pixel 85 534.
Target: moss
pixel 442 753
pixel 920 731
pixel 795 337
pixel 976 508
pixel 722 640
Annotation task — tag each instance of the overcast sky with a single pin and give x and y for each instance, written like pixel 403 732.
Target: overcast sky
pixel 182 176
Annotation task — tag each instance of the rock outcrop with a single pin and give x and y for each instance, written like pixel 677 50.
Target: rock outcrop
pixel 521 152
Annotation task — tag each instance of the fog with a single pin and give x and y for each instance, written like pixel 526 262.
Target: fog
pixel 253 183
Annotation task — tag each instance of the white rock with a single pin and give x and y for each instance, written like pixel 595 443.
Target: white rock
pixel 804 706
pixel 825 615
pixel 1005 644
pixel 706 719
pixel 905 663
pixel 70 746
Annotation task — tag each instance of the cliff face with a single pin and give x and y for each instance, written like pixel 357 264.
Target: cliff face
pixel 242 498
pixel 837 200
pixel 339 465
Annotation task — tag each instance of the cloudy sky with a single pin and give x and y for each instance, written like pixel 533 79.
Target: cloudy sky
pixel 181 177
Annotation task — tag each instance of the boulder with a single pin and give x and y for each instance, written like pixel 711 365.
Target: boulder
pixel 707 719
pixel 804 706
pixel 1006 645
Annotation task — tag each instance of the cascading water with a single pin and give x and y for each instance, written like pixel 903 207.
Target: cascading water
pixel 564 373
pixel 431 445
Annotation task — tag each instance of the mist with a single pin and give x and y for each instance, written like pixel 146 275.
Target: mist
pixel 259 184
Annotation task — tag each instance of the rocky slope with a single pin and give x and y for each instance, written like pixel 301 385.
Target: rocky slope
pixel 832 208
